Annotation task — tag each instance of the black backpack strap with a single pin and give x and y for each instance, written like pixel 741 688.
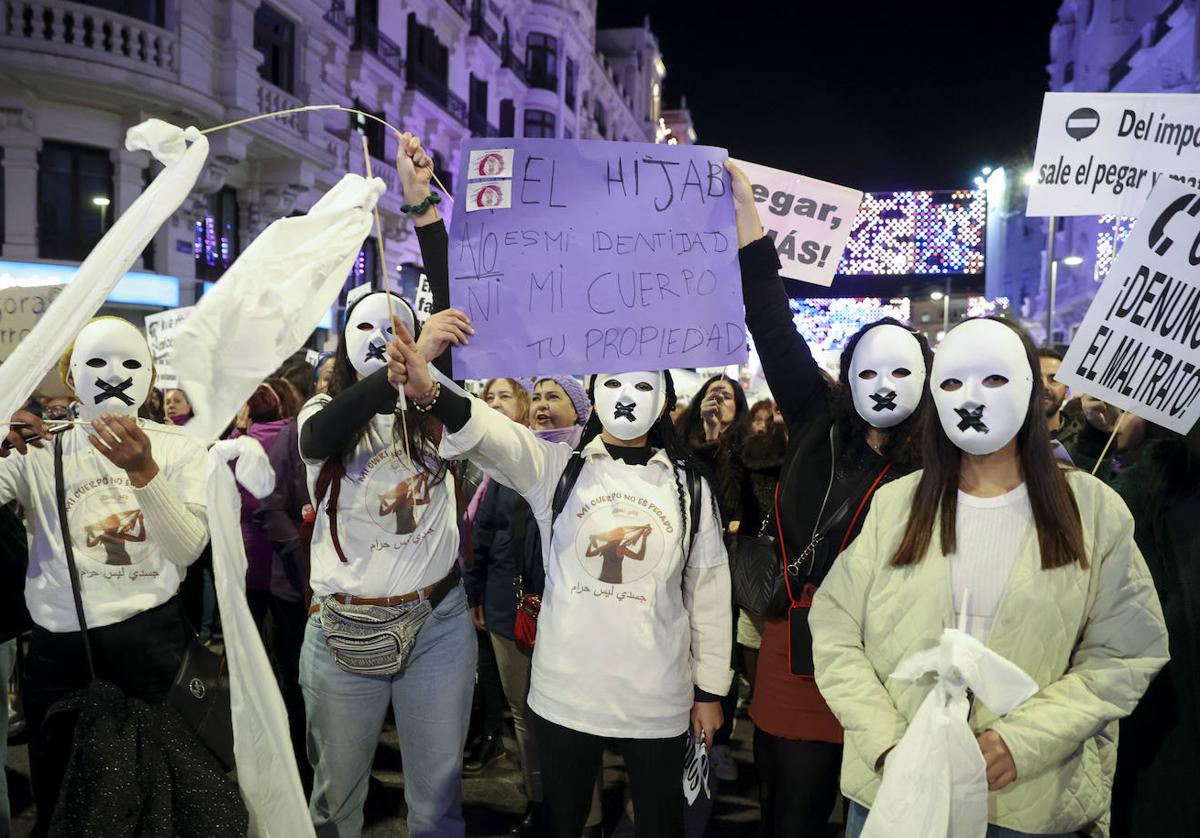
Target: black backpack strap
pixel 566 484
pixel 695 500
pixel 60 497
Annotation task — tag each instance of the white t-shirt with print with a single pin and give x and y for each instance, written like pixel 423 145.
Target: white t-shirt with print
pixel 122 571
pixel 397 526
pixel 626 630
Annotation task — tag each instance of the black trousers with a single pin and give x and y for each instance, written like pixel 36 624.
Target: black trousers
pixel 140 656
pixel 798 785
pixel 570 760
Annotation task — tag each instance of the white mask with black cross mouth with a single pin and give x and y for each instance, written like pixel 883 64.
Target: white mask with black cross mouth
pixel 887 375
pixel 111 368
pixel 629 403
pixel 981 383
pixel 369 330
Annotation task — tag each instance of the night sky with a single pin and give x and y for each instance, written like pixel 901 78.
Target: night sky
pixel 877 95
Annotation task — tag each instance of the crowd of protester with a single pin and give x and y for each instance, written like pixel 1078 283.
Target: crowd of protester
pixel 904 492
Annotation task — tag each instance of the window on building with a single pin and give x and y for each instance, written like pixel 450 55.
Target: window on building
pixel 275 39
pixel 443 173
pixel 539 123
pixel 569 85
pixel 70 178
pixel 541 60
pixel 508 118
pixel 150 11
pixel 601 119
pixel 374 131
pixel 1069 72
pixel 215 242
pixel 478 106
pixel 366 24
pixel 568 134
pixel 364 270
pixel 428 57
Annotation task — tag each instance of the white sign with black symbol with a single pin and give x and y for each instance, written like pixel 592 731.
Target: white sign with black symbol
pixel 1139 344
pixel 695 769
pixel 161 329
pixel 808 220
pixel 490 163
pixel 489 195
pixel 1103 153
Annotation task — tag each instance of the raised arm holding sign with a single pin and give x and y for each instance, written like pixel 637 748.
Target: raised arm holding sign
pixel 577 256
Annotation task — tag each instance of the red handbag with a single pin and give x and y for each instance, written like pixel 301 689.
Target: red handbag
pixel 525 627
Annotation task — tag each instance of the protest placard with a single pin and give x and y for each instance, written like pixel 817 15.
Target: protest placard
pixel 1139 344
pixel 595 257
pixel 809 220
pixel 1103 153
pixel 21 306
pixel 423 300
pixel 161 329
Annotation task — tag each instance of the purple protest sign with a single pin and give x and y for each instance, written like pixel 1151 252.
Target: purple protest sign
pixel 579 256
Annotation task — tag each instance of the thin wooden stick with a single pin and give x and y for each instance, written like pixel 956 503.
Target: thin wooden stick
pixel 304 108
pixel 401 402
pixel 1108 444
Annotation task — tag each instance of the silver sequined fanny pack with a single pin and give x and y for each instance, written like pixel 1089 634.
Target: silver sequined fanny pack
pixel 372 639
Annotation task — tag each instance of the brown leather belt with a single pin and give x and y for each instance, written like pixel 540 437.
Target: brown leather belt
pixel 435 593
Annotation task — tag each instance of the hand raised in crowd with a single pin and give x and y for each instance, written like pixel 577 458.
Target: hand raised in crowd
pixel 707 719
pixel 749 226
pixel 448 327
pixel 25 429
pixel 414 166
pixel 1001 770
pixel 126 446
pixel 407 368
pixel 710 412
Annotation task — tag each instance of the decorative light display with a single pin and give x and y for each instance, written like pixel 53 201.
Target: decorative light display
pixel 901 233
pixel 1114 230
pixel 983 307
pixel 210 249
pixel 828 323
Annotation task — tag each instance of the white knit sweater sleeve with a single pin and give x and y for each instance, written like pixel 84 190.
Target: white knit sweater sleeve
pixel 179 530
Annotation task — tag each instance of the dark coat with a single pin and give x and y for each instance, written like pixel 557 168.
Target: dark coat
pixel 503 543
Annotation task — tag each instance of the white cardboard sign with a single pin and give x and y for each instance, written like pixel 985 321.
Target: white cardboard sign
pixel 1139 344
pixel 1103 153
pixel 161 329
pixel 809 220
pixel 21 306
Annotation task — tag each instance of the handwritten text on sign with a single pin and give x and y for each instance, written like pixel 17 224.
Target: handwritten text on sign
pixel 1103 153
pixel 584 256
pixel 161 329
pixel 1139 345
pixel 21 307
pixel 809 220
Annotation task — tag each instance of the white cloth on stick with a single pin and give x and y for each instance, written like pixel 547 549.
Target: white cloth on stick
pixel 269 302
pixel 262 745
pixel 935 780
pixel 112 256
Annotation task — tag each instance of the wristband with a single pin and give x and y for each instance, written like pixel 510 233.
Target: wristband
pixel 417 209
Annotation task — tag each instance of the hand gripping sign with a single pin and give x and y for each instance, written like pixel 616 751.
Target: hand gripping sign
pixel 576 256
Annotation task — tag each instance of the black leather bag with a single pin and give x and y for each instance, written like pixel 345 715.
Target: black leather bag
pixel 756 569
pixel 200 692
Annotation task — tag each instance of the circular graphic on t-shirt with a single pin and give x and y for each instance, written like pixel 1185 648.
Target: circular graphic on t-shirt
pixel 619 542
pixel 107 525
pixel 394 497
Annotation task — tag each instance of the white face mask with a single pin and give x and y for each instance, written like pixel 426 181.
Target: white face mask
pixel 981 383
pixel 629 403
pixel 111 369
pixel 887 375
pixel 369 330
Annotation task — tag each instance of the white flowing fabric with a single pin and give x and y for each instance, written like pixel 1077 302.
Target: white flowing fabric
pixel 269 302
pixel 266 765
pixel 112 256
pixel 935 780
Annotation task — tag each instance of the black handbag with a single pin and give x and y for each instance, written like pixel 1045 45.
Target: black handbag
pixel 756 569
pixel 200 691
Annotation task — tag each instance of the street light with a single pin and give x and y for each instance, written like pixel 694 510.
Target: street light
pixel 945 298
pixel 102 202
pixel 1070 261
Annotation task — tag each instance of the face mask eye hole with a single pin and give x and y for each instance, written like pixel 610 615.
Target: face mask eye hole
pixel 867 375
pixel 95 363
pixel 950 385
pixel 643 386
pixel 365 327
pixel 612 384
pixel 994 381
pixel 902 372
pixel 132 365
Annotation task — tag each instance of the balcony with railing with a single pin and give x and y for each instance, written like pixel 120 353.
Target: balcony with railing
pixel 74 30
pixel 480 127
pixel 459 6
pixel 480 28
pixel 365 37
pixel 426 81
pixel 509 60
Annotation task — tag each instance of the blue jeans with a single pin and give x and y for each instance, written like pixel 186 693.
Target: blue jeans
pixel 431 698
pixel 856 819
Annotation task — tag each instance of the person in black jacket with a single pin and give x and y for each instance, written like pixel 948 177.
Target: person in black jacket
pixel 843 443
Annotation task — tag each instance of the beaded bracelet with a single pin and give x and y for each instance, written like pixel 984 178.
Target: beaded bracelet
pixel 417 209
pixel 436 390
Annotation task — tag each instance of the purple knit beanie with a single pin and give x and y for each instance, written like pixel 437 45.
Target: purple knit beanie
pixel 576 393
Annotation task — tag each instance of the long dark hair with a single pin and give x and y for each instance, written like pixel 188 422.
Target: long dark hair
pixel 690 424
pixel 424 432
pixel 898 441
pixel 1055 511
pixel 663 436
